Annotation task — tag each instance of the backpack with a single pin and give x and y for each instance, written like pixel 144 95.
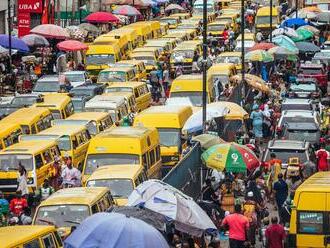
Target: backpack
pixel 249 210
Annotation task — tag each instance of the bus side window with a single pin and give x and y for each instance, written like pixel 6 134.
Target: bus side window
pixel 33 129
pixel 48 241
pixel 95 209
pixel 141 177
pixel 136 92
pixel 47 156
pixel 39 162
pixel 32 244
pixel 68 109
pixel 152 157
pixel 75 143
pixel 15 135
pixel 157 153
pixel 145 161
pixel 137 182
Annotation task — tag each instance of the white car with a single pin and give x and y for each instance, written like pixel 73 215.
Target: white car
pixel 294 116
pixel 77 78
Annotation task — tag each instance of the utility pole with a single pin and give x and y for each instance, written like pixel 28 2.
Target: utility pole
pixel 242 34
pixel 204 63
pixel 9 35
pixel 271 20
pixel 80 11
pixel 296 8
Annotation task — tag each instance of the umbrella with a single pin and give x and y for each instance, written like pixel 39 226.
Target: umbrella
pixel 304 14
pixel 186 214
pixel 126 10
pixel 312 9
pixel 286 42
pixel 259 55
pixel 230 156
pixel 310 28
pixel 101 17
pixel 76 32
pixel 305 47
pixel 254 81
pixel 89 27
pixel 110 230
pixel 35 40
pixel 323 17
pixel 262 46
pixel 71 45
pixel 280 51
pixel 50 31
pixel 285 31
pixel 304 34
pixel 16 43
pixel 294 22
pixel 174 6
pixel 152 218
pixel 207 140
pixel 3 51
pixel 195 121
pixel 236 112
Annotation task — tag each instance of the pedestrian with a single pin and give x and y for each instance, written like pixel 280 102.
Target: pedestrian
pixel 22 180
pixel 250 209
pixel 281 191
pixel 54 173
pixel 238 226
pixel 45 191
pixel 17 204
pixel 25 217
pixel 257 120
pixel 195 67
pixel 323 157
pixel 275 234
pixel 71 175
pixel 166 80
pixel 4 209
pixel 208 192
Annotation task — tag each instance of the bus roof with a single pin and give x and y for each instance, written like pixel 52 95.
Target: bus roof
pixel 26 115
pixel 124 171
pixel 28 147
pixel 88 116
pixel 63 130
pixel 56 100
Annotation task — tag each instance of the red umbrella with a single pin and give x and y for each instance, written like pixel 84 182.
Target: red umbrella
pixel 71 45
pixel 101 17
pixel 50 31
pixel 262 46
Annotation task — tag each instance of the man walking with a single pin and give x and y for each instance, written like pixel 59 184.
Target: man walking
pixel 275 234
pixel 238 226
pixel 281 191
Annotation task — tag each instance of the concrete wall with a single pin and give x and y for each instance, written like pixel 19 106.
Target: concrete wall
pixel 3 16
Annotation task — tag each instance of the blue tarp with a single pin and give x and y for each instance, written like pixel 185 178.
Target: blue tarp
pixel 294 22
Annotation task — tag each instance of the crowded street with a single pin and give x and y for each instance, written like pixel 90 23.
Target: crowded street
pixel 164 124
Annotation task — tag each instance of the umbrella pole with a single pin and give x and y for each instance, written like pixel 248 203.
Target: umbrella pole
pixel 204 62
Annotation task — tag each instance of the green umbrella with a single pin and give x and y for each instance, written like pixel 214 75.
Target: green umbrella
pixel 259 55
pixel 303 34
pixel 286 42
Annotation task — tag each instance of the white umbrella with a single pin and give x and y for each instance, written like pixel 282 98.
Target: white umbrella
pixel 195 122
pixel 285 31
pixel 187 215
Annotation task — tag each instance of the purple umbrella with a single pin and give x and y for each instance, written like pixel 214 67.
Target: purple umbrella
pixel 16 43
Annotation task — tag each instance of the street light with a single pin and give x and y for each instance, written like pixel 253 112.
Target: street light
pixel 204 63
pixel 242 34
pixel 9 35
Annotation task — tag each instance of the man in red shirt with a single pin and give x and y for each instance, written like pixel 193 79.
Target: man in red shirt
pixel 238 226
pixel 275 234
pixel 322 156
pixel 18 204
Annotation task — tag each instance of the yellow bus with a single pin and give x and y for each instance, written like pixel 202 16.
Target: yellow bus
pixel 263 18
pixel 68 207
pixel 222 72
pixel 120 179
pixel 148 58
pixel 120 39
pixel 60 105
pixel 32 120
pixel 9 134
pixel 140 90
pixel 116 74
pixel 138 67
pixel 172 21
pixel 143 31
pixel 125 145
pixel 30 236
pixel 169 122
pixel 35 156
pixel 130 36
pixel 155 29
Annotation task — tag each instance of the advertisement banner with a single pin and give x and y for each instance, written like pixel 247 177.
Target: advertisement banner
pixel 24 22
pixel 29 6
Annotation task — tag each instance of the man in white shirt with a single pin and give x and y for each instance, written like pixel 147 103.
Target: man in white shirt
pixel 71 175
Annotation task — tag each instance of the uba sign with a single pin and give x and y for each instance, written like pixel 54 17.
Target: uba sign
pixel 29 6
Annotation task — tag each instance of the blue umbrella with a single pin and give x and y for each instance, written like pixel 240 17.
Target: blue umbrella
pixel 294 22
pixel 110 230
pixel 16 43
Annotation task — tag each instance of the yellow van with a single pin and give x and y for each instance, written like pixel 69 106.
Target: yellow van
pixel 9 134
pixel 163 46
pixel 191 86
pixel 172 21
pixel 120 179
pixel 183 55
pixel 111 39
pixel 155 29
pixel 129 35
pixel 35 156
pixel 125 145
pixel 129 98
pixel 60 105
pixel 138 67
pixel 116 106
pixel 182 16
pixel 32 120
pixel 164 27
pixel 310 213
pixel 181 35
pixel 263 18
pixel 69 207
pixel 141 28
pixel 30 236
pixel 148 58
pixel 231 57
pixel 116 74
pixel 140 90
pixel 215 29
pixel 95 122
pixel 222 72
pixel 231 19
pixel 152 50
pixel 72 140
pixel 99 56
pixel 169 122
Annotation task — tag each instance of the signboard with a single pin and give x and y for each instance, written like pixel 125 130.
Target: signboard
pixel 24 22
pixel 29 6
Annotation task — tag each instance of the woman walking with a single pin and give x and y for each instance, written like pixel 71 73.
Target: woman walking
pixel 257 120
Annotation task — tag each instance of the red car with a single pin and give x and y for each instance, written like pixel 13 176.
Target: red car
pixel 315 71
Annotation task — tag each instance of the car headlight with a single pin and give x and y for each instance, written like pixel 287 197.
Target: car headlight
pixel 30 180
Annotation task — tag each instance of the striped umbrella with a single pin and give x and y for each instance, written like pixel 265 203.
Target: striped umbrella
pixel 126 10
pixel 230 156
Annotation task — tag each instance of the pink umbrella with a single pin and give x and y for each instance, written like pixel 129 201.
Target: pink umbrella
pixel 50 31
pixel 101 17
pixel 174 6
pixel 71 45
pixel 126 10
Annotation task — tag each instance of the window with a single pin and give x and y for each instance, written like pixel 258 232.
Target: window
pixel 137 182
pixel 25 129
pixel 69 109
pixel 32 244
pixel 47 121
pixel 95 209
pixel 310 222
pixel 55 151
pixel 80 139
pixel 47 156
pixel 39 162
pixel 74 142
pixel 40 125
pixel 157 153
pixel 152 157
pixel 15 135
pixel 33 129
pixel 58 239
pixel 7 141
pixel 145 161
pixel 136 92
pixel 49 241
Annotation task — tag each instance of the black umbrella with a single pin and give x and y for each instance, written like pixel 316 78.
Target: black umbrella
pixel 305 47
pixel 155 219
pixel 323 17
